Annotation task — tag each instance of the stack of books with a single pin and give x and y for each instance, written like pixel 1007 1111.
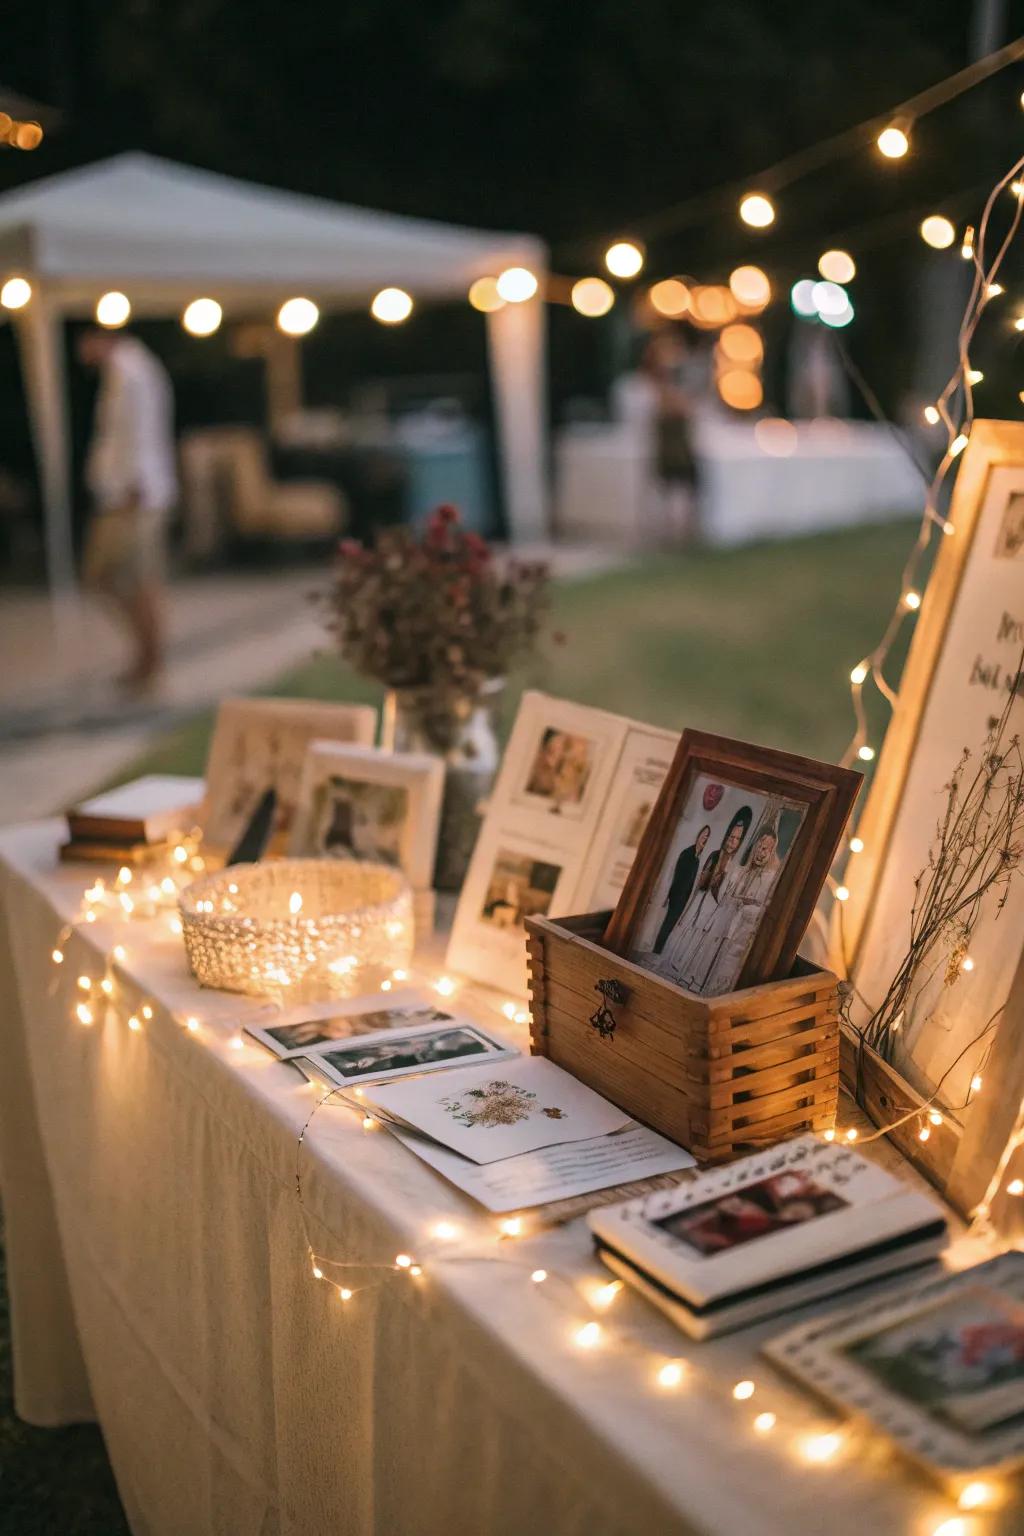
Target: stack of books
pixel 805 1220
pixel 128 824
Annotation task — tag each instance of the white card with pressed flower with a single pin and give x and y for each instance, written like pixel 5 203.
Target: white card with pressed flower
pixel 487 1113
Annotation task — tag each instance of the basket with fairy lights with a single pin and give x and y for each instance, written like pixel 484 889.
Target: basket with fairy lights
pixel 302 928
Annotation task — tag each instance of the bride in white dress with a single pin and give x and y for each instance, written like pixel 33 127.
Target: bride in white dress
pixel 686 945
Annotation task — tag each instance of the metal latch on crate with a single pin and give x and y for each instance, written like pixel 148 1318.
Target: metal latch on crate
pixel 603 1020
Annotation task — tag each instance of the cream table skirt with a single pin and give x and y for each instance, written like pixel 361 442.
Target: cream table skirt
pixel 160 1282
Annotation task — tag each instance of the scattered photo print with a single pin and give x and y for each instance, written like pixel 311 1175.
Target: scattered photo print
pixel 730 847
pixel 519 887
pixel 560 770
pixel 772 1205
pixel 307 1032
pixel 413 1052
pixel 960 1360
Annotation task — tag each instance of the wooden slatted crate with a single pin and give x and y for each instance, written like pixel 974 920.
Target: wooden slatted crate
pixel 719 1075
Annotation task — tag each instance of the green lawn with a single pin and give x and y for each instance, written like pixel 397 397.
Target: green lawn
pixel 756 643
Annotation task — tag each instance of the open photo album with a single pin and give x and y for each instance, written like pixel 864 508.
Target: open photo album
pixel 804 1220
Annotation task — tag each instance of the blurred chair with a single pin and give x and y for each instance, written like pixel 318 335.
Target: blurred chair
pixel 228 490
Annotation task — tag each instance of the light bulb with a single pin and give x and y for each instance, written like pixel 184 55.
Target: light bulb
pixel 937 231
pixel 893 142
pixel 931 415
pixel 445 1231
pixel 1015 1187
pixel 297 317
pixel 670 298
pixel 978 1495
pixel 295 903
pixel 202 317
pixel 624 259
pixel 84 983
pixel 516 285
pixel 967 964
pixel 856 845
pixel 974 376
pixel 764 1423
pixel 135 1023
pixel 113 310
pixel 750 287
pixel 866 754
pixel 923 1134
pixel 911 599
pixel 539 1276
pixel 958 445
pixel 588 1336
pixel 57 956
pixel 192 1023
pixel 821 1448
pixel 743 1390
pixel 671 1374
pixel 851 1134
pixel 403 1261
pixel 15 293
pixel 757 210
pixel 837 266
pixel 842 893
pixel 344 1293
pixel 512 1226
pixel 604 1295
pixel 391 306
pixel 976 1083
pixel 84 1013
pixel 484 295
pixel 858 674
pixel 830 1134
pixel 592 297
pixel 445 986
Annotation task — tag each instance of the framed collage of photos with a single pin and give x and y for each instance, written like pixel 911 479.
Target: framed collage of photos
pixel 963 666
pixel 564 821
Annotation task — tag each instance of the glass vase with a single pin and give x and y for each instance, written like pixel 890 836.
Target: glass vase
pixel 464 735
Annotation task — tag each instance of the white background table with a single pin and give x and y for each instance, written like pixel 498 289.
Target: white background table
pixel 160 1281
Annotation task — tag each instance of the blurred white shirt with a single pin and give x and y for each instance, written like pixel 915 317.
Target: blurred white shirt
pixel 132 448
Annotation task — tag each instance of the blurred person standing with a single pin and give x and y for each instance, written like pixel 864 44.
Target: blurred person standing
pixel 675 464
pixel 130 473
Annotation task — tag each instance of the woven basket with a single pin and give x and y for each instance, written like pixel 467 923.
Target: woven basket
pixel 298 928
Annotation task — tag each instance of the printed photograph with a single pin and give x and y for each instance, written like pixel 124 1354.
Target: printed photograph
pixel 519 887
pixel 960 1360
pixel 357 819
pixel 1010 538
pixel 406 1053
pixel 561 770
pixel 772 1205
pixel 306 1032
pixel 729 849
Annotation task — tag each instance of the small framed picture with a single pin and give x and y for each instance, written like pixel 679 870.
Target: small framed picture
pixel 296 1032
pixel 730 864
pixel 260 744
pixel 403 1052
pixel 360 802
pixel 938 1366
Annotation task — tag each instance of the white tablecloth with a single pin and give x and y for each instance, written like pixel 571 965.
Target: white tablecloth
pixel 762 480
pixel 160 1281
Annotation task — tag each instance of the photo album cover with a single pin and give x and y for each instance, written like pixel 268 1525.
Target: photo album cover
pixel 937 1365
pixel 770 1231
pixel 562 825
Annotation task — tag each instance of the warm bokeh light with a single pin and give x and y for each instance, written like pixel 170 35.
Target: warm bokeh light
pixel 750 287
pixel 713 305
pixel 484 295
pixel 757 210
pixel 801 297
pixel 516 285
pixel 391 306
pixel 741 344
pixel 592 296
pixel 670 298
pixel 740 390
pixel 776 437
pixel 624 259
pixel 297 317
pixel 15 293
pixel 27 135
pixel 113 309
pixel 893 142
pixel 937 231
pixel 202 317
pixel 837 266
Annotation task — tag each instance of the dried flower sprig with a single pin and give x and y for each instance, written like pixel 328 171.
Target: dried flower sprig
pixel 434 614
pixel 976 853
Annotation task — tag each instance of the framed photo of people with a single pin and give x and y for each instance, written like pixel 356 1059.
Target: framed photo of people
pixel 962 670
pixel 561 830
pixel 731 864
pixel 363 803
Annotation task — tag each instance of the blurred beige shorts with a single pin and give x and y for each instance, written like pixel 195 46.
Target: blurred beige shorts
pixel 125 548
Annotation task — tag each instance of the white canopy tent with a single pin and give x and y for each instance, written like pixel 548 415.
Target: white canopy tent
pixel 164 234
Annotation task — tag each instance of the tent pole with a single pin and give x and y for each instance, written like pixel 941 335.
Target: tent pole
pixel 41 344
pixel 516 336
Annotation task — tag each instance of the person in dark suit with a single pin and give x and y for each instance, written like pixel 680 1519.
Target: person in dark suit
pixel 683 877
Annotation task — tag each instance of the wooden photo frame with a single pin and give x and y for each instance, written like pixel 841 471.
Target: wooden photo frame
pixel 961 665
pixel 364 803
pixel 796 806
